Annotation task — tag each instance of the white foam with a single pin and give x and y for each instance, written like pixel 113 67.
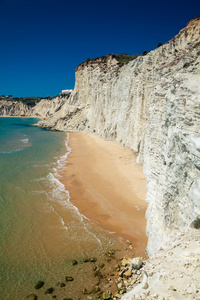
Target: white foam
pixel 61 195
pixel 8 152
pixel 25 141
pixel 62 161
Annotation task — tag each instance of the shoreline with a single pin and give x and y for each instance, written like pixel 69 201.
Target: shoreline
pixel 108 187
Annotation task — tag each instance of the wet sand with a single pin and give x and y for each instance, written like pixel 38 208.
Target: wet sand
pixel 108 187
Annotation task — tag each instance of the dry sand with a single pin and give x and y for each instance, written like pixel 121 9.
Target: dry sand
pixel 108 186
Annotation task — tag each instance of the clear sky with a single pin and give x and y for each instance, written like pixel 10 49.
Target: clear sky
pixel 42 41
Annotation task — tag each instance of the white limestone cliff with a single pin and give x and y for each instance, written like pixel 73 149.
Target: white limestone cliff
pixel 44 109
pixel 13 108
pixel 152 105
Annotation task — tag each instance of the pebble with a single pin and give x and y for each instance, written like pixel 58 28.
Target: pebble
pixel 128 242
pixel 39 284
pixel 93 259
pixel 49 291
pixel 62 284
pixel 107 295
pixel 127 274
pixel 69 278
pixel 101 265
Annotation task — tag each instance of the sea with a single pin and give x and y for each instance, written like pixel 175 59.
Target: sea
pixel 41 231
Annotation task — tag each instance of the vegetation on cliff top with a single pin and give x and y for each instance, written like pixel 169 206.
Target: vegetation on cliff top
pixel 30 101
pixel 121 58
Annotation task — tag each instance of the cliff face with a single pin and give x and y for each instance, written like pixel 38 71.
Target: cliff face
pixel 13 108
pixel 151 105
pixel 44 109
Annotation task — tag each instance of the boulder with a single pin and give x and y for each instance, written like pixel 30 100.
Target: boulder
pixel 136 263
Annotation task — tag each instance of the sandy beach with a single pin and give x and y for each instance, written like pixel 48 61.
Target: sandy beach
pixel 108 187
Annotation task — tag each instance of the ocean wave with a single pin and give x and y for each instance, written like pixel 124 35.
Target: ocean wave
pixel 25 141
pixel 11 151
pixel 61 195
pixel 62 161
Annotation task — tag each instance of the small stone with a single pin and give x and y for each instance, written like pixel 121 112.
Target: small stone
pixel 106 280
pixel 119 285
pixel 117 267
pixel 128 242
pixel 86 260
pixel 136 263
pixel 145 286
pixel 127 274
pixel 39 285
pixel 107 295
pixel 95 289
pixel 122 273
pixel 98 274
pixel 74 262
pixel 85 291
pixel 101 265
pixel 69 278
pixel 108 259
pixel 126 262
pixel 112 252
pixel 31 297
pixel 49 291
pixel 93 259
pixel 62 284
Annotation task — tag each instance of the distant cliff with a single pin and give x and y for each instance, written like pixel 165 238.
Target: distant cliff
pixel 44 109
pixel 13 108
pixel 152 105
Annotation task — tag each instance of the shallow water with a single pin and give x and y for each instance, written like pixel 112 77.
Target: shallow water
pixel 41 232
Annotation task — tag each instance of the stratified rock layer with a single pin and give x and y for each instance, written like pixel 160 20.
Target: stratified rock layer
pixel 151 105
pixel 13 108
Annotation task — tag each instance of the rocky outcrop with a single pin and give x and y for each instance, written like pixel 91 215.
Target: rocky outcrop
pixel 47 108
pixel 44 109
pixel 152 106
pixel 13 108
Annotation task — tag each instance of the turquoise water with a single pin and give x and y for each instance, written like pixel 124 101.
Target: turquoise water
pixel 41 232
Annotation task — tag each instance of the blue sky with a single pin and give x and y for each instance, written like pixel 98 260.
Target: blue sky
pixel 42 41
